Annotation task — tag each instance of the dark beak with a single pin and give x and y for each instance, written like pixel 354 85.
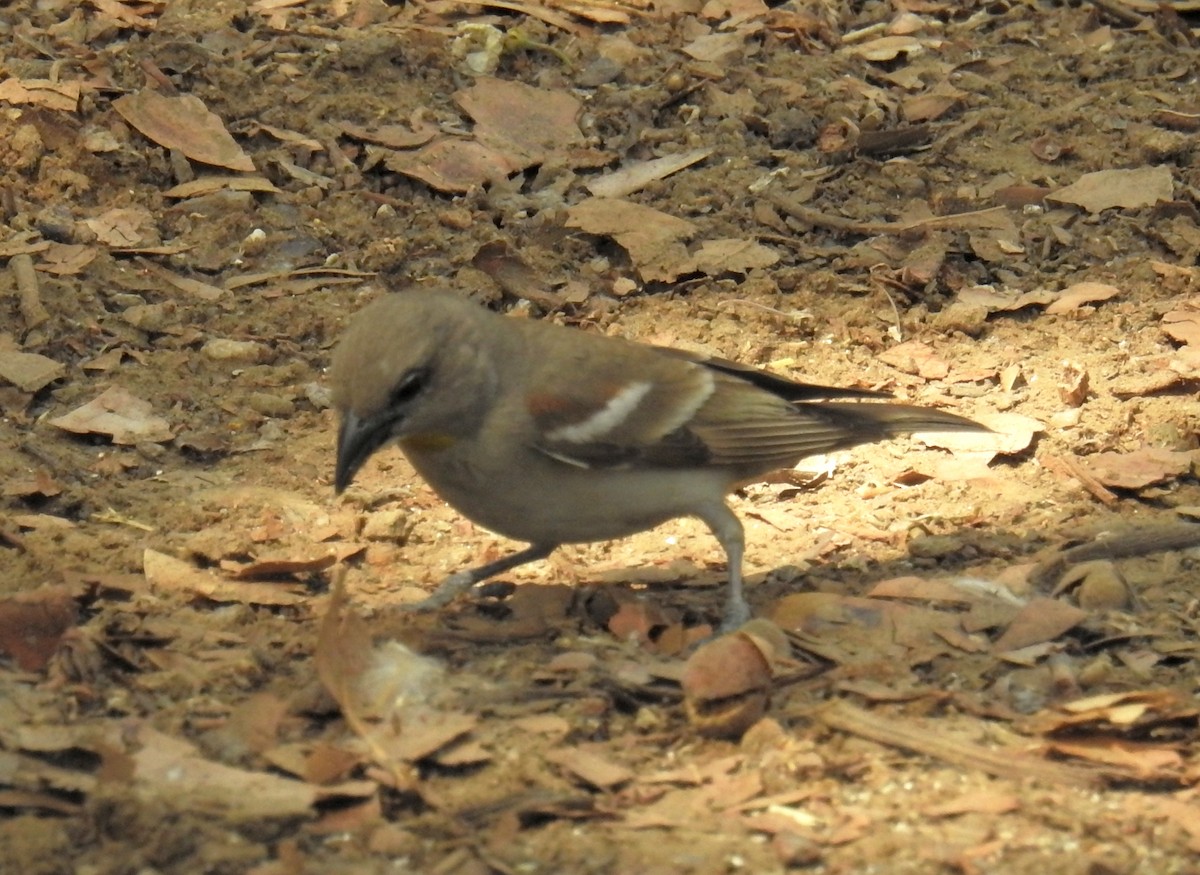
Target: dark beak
pixel 357 440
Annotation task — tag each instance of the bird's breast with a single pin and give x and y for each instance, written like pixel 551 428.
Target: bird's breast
pixel 532 497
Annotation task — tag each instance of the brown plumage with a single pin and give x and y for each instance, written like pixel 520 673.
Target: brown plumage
pixel 551 435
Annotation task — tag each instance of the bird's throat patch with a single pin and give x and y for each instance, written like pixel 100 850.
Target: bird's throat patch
pixel 427 443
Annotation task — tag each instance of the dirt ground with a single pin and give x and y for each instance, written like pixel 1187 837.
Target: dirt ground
pixel 974 653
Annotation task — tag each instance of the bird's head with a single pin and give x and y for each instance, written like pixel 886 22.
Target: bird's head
pixel 413 367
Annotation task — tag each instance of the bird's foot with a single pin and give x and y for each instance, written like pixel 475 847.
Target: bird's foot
pixel 448 590
pixel 736 614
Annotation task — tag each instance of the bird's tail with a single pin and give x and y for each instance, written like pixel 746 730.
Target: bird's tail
pixel 862 423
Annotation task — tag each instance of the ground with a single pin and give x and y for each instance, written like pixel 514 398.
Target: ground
pixel 973 652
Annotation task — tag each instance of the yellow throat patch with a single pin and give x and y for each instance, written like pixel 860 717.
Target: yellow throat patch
pixel 427 443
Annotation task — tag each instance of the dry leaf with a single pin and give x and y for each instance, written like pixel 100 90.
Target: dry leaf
pixel 922 589
pixel 732 255
pixel 116 413
pixel 1039 621
pixel 183 123
pixel 638 174
pixel 916 357
pixel 1183 323
pixel 29 371
pixel 1105 189
pixel 33 624
pixel 453 165
pixel 1139 468
pixel 168 573
pixel 56 96
pixel 1079 294
pixel 523 123
pixel 996 300
pixel 887 48
pixel 981 802
pixel 652 238
pixel 210 184
pixel 171 774
pixel 589 767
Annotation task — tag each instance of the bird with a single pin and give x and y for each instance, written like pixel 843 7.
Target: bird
pixel 551 435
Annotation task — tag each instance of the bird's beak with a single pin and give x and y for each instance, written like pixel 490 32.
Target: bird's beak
pixel 358 438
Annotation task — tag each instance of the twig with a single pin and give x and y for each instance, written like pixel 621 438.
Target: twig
pixel 989 218
pixel 109 515
pixel 1136 542
pixel 28 291
pixel 1120 11
pixel 1070 468
pixel 1004 763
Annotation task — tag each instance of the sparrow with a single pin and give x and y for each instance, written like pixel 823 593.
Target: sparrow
pixel 552 435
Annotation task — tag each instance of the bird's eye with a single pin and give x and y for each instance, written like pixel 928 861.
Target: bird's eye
pixel 409 386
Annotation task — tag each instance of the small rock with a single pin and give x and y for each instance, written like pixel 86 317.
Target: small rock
pixel 149 317
pixel 1066 418
pixel 270 405
pixel 222 349
pixel 456 218
pixel 934 546
pixel 386 525
pixel 1099 586
pixel 794 850
pixel 318 395
pixel 970 319
pixel 600 71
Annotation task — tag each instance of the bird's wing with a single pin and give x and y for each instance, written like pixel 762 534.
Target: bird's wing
pixel 675 411
pixel 784 387
pixel 622 411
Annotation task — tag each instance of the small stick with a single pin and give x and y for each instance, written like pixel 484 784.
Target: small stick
pixel 1068 467
pixel 28 291
pixel 917 738
pixel 1137 542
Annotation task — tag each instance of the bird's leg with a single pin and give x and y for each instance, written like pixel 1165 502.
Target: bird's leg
pixel 461 581
pixel 727 529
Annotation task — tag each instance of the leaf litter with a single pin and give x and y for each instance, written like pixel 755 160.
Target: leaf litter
pixel 1003 627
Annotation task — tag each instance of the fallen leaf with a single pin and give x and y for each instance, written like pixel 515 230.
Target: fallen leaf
pixel 118 414
pixel 211 184
pixel 171 774
pixel 183 123
pixel 981 802
pixel 124 227
pixel 453 165
pixel 390 136
pixel 523 123
pixel 67 259
pixel 1010 435
pixel 29 371
pixel 1144 760
pixel 715 47
pixel 916 357
pixel 167 573
pixel 1105 189
pixel 922 589
pixel 1039 621
pixel 652 238
pixel 886 48
pixel 1078 294
pixel 638 174
pixel 589 767
pixel 280 565
pixel 33 624
pixel 1183 323
pixel 1137 469
pixel 1005 300
pixel 57 96
pixel 732 255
